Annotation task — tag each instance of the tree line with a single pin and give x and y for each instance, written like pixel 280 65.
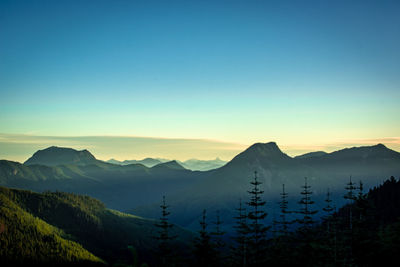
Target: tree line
pixel 364 232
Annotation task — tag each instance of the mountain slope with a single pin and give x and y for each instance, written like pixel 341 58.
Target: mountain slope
pixel 118 186
pixel 311 155
pixel 136 187
pixel 172 165
pixel 222 188
pixel 106 233
pixel 54 156
pixel 369 163
pixel 24 238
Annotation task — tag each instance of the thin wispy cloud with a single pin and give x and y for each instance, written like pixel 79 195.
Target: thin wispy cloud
pixel 19 147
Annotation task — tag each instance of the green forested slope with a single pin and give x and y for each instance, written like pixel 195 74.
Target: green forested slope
pixel 26 238
pixel 33 221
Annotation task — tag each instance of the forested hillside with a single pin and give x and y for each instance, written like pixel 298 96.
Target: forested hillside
pixel 25 238
pixel 64 227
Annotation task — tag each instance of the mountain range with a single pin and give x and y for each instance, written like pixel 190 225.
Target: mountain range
pixel 191 164
pixel 148 162
pixel 138 189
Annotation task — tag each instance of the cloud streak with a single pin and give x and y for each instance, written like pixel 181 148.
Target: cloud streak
pixel 20 147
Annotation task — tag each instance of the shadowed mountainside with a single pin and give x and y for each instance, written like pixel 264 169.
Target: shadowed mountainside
pixel 64 227
pixel 54 156
pixel 135 187
pixel 222 188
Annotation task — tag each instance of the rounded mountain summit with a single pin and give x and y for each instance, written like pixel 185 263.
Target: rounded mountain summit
pixel 54 156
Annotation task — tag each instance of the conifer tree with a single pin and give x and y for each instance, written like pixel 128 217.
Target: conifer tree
pixel 306 202
pixel 204 250
pixel 305 237
pixel 217 236
pixel 256 229
pixel 281 245
pixel 283 206
pixel 331 230
pixel 239 252
pixel 351 197
pixel 328 209
pixel 164 237
pixel 361 202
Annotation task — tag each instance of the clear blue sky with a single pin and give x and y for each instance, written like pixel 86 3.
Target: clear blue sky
pixel 297 72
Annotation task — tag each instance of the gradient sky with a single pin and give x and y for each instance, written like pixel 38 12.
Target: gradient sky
pixel 303 73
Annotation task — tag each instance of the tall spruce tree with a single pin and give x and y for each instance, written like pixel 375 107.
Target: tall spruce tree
pixel 283 206
pixel 256 228
pixel 361 202
pixel 331 228
pixel 165 253
pixel 217 238
pixel 306 206
pixel 204 249
pixel 305 236
pixel 239 250
pixel 281 245
pixel 328 209
pixel 350 196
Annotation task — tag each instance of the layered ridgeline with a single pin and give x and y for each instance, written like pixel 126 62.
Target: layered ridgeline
pixel 222 188
pixel 191 164
pixel 138 188
pixel 120 187
pixel 148 162
pixel 68 228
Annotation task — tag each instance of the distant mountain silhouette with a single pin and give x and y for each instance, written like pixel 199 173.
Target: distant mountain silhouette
pixel 54 156
pixel 379 151
pixel 173 164
pixel 260 154
pixel 135 186
pixel 311 155
pixel 191 164
pixel 114 161
pixel 116 185
pixel 148 162
pixel 202 165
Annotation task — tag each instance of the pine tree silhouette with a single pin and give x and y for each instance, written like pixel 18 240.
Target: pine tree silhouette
pixel 239 251
pixel 331 227
pixel 218 242
pixel 165 252
pixel 351 197
pixel 328 209
pixel 307 221
pixel 256 229
pixel 283 206
pixel 204 250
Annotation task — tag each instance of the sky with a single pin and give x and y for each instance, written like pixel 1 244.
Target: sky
pixel 211 77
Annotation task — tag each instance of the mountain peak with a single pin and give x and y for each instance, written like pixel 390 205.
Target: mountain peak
pixel 379 146
pixel 173 164
pixel 261 152
pixel 54 155
pixel 366 152
pixel 264 148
